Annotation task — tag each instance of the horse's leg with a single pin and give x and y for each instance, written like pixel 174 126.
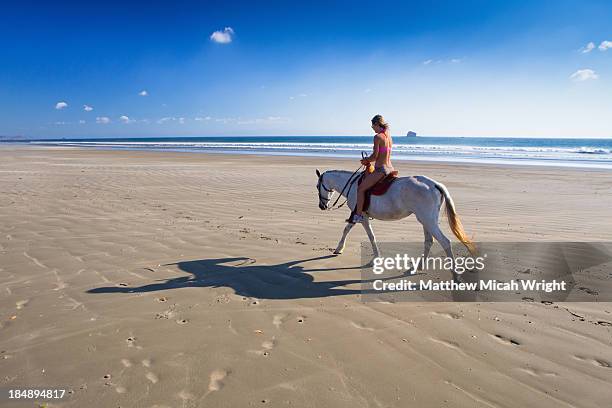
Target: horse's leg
pixel 426 247
pixel 431 227
pixel 446 244
pixel 368 227
pixel 340 246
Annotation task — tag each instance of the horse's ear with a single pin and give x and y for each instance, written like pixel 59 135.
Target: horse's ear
pixel 318 173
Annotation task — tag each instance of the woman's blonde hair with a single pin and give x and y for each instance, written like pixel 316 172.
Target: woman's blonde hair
pixel 380 121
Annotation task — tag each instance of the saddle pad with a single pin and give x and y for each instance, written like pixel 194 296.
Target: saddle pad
pixel 379 188
pixel 383 185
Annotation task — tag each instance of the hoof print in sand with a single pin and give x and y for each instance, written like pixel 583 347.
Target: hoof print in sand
pixel 448 315
pixel 278 319
pixel 152 377
pixel 506 340
pixel 185 395
pixel 361 326
pixel 595 361
pixel 588 290
pixel 22 303
pixel 216 380
pixel 267 346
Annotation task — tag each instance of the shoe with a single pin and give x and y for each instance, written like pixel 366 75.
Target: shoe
pixel 354 219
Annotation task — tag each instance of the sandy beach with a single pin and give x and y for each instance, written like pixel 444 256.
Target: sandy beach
pixel 158 279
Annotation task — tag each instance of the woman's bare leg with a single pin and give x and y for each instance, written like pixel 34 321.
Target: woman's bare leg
pixel 369 181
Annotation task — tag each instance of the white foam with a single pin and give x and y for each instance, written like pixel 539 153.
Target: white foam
pixel 581 157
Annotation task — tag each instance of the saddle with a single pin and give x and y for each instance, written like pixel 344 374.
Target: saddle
pixel 379 188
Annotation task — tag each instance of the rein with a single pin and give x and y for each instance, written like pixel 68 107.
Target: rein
pixel 349 184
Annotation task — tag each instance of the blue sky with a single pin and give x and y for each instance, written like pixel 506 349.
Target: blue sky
pixel 464 68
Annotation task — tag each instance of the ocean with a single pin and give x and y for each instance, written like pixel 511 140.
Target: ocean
pixel 586 153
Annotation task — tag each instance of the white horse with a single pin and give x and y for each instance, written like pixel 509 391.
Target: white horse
pixel 407 195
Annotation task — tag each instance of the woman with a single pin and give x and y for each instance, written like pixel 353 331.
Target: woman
pixel 381 156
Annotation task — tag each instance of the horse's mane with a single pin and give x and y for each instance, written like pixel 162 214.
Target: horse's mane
pixel 340 171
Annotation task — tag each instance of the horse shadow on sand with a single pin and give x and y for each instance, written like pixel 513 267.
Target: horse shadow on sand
pixel 289 280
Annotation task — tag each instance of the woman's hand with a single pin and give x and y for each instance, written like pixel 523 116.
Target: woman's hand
pixel 365 162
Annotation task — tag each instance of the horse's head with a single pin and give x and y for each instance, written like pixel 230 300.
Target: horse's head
pixel 325 193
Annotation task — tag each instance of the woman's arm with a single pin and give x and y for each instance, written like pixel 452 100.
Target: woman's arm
pixel 374 154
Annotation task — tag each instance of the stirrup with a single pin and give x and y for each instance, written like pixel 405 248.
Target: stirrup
pixel 352 220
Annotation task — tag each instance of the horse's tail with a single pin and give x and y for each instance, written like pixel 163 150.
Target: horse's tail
pixel 453 219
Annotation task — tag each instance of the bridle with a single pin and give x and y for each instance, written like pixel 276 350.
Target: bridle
pixel 349 184
pixel 319 185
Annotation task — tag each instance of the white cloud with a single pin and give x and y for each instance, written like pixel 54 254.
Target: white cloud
pixel 165 119
pixel 584 75
pixel 61 105
pixel 103 120
pixel 443 61
pixel 223 37
pixel 87 108
pixel 302 95
pixel 588 48
pixel 143 93
pixel 81 122
pixel 268 120
pixel 605 45
pixel 124 119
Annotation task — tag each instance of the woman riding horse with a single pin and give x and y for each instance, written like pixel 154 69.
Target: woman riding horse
pixel 381 156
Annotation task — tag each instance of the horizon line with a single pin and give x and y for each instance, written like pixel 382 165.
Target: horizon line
pixel 28 139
